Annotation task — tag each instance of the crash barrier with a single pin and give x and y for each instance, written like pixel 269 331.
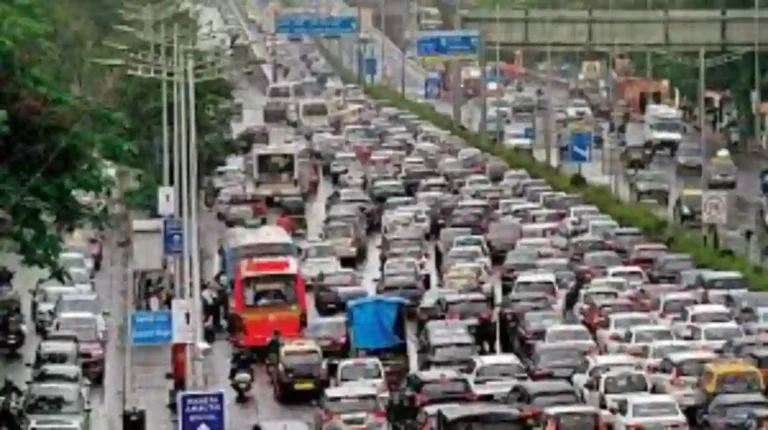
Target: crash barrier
pixel 629 214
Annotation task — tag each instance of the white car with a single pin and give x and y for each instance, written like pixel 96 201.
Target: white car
pixel 611 333
pixel 318 257
pixel 639 337
pixel 350 406
pixel 668 307
pixel 599 364
pixel 74 259
pixel 570 333
pixel 536 283
pixel 649 411
pixel 606 389
pixel 712 336
pixel 634 275
pixel 46 298
pixel 700 314
pixel 659 349
pixel 578 108
pixel 401 265
pixel 492 376
pixel 366 371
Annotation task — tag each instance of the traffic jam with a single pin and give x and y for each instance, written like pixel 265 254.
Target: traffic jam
pixel 499 301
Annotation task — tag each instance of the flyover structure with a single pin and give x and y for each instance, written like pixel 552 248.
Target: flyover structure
pixel 626 30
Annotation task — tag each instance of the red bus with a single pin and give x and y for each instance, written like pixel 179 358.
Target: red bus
pixel 269 294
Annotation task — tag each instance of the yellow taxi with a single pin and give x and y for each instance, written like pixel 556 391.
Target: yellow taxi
pixel 730 376
pixel 300 369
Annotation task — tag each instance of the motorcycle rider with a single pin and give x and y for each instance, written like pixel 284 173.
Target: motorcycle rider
pixel 6 276
pixel 8 392
pixel 273 348
pixel 286 222
pixel 240 362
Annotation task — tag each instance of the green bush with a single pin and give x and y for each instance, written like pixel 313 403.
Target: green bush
pixel 630 214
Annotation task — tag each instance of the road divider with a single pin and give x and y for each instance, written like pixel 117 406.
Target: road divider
pixel 629 214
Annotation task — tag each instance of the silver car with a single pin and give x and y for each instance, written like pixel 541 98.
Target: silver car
pixel 64 401
pixel 689 158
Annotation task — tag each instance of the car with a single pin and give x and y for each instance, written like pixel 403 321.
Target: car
pixel 648 411
pixel 677 375
pixel 598 364
pixel 368 371
pixel 492 376
pixel 334 290
pixel 539 394
pixel 89 303
pixel 46 296
pixel 64 401
pixel 667 267
pixel 555 360
pixel 84 326
pixel 347 244
pixel 76 259
pixel 431 387
pixel 689 158
pixel 318 257
pixel 575 335
pixel 605 390
pixel 300 370
pixel 330 333
pixel 350 406
pixel 56 352
pixel 651 184
pixel 611 331
pixel 730 410
pixel 447 351
pixel 687 208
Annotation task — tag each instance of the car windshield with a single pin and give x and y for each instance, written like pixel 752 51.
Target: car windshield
pixel 542 318
pixel 340 278
pixel 692 201
pixel 360 133
pixel 678 265
pixel 602 259
pixel 360 371
pixel 710 317
pixel 437 389
pixel 499 371
pixel 739 382
pixel 662 351
pixel 282 91
pixel 320 251
pixel 625 323
pixel 560 356
pixel 327 328
pixel 689 150
pixel 676 306
pixel 350 405
pixel 553 399
pixel 453 352
pixel 314 109
pixel 72 261
pixel 91 305
pixel 653 177
pixel 77 276
pixel 546 287
pixel 668 126
pixel 727 283
pixel 338 231
pixel 655 409
pixel 51 295
pixel 301 358
pixel 692 368
pixel 722 333
pixel 626 383
pixel 468 307
pixel 53 399
pixel 567 335
pixel 630 275
pixel 85 328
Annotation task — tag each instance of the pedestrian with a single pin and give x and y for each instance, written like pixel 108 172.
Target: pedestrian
pixel 572 296
pixel 154 303
pixel 210 303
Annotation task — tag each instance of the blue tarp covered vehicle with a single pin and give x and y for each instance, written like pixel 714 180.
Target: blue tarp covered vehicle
pixel 377 328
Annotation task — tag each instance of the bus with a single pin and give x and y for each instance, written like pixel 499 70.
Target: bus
pixel 268 291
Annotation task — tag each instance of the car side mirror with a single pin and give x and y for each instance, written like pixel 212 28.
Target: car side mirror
pixel 105 313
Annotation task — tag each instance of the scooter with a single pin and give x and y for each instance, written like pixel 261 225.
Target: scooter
pixel 242 383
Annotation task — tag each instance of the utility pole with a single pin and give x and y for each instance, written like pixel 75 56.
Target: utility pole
pixel 758 77
pixel 178 71
pixel 499 129
pixel 648 53
pixel 455 73
pixel 702 124
pixel 548 97
pixel 483 91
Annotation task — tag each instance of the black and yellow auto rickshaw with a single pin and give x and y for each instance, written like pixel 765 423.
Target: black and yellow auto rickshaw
pixel 295 208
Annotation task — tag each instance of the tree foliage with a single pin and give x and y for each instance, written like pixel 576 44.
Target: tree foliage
pixel 62 117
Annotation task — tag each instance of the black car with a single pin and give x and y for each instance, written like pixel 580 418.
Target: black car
pixel 540 394
pixel 512 310
pixel 330 333
pixel 404 285
pixel 480 416
pixel 667 268
pixel 447 351
pixel 334 290
pixel 427 387
pixel 531 329
pixel 559 361
pixel 734 411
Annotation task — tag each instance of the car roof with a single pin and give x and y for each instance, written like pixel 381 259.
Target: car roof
pixel 484 408
pixel 437 374
pixel 489 360
pixel 547 386
pixel 676 357
pixel 351 390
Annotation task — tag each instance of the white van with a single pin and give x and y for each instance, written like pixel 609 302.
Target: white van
pixel 663 127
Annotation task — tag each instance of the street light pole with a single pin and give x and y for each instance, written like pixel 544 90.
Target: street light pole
pixel 548 111
pixel 164 84
pixel 702 123
pixel 758 95
pixel 177 79
pixel 499 130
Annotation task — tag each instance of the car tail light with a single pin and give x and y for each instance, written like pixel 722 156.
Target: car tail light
pixel 453 316
pixel 680 427
pixel 635 427
pixel 539 373
pixel 530 413
pixel 487 315
pixel 421 400
pixel 652 368
pixel 470 396
pixel 328 416
pixel 340 340
pixel 379 414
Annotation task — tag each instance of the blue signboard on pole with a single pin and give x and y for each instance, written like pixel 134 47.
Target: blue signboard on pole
pixel 316 25
pixel 433 86
pixel 452 44
pixel 173 236
pixel 202 410
pixel 371 67
pixel 151 327
pixel 580 146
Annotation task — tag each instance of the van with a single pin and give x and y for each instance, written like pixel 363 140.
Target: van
pixel 663 127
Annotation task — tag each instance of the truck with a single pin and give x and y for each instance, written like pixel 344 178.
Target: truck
pixel 592 86
pixel 278 171
pixel 470 76
pixel 663 128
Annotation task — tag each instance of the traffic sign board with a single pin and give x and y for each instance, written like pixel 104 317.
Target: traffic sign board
pixel 173 236
pixel 151 327
pixel 183 329
pixel 202 410
pixel 714 207
pixel 580 147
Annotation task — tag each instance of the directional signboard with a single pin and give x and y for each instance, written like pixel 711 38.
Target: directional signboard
pixel 151 327
pixel 315 25
pixel 173 236
pixel 432 86
pixel 448 44
pixel 580 141
pixel 202 410
pixel 714 207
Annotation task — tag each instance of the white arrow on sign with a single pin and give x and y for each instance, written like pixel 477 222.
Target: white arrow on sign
pixel 203 426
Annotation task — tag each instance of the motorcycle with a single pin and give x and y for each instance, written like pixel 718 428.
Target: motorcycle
pixel 242 383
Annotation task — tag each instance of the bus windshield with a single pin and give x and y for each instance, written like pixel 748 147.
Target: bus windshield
pixel 276 168
pixel 269 290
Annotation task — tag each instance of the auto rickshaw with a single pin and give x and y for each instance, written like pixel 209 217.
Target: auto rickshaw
pixel 730 376
pixel 295 208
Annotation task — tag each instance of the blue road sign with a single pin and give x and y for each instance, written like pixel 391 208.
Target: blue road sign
pixel 151 327
pixel 316 25
pixel 433 86
pixel 202 410
pixel 371 67
pixel 528 133
pixel 173 236
pixel 462 43
pixel 580 147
